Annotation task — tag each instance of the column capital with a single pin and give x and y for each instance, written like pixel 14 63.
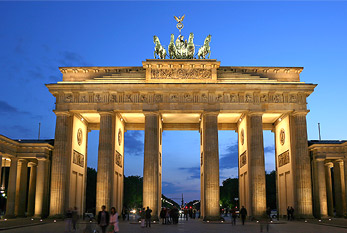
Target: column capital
pixel 32 164
pixel 329 164
pixel 106 113
pixel 320 158
pixel 62 113
pixel 41 157
pixel 214 113
pixel 151 113
pixel 300 113
pixel 251 113
pixel 23 160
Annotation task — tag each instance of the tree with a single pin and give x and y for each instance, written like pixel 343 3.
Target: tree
pixel 91 190
pixel 228 192
pixel 133 192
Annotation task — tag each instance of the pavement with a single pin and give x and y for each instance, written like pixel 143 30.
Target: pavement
pixel 190 226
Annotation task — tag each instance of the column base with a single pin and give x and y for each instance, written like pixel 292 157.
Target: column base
pixel 154 218
pixel 56 216
pixel 9 216
pixel 212 218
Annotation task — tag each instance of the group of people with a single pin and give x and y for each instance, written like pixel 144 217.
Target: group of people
pixel 191 212
pixel 169 216
pixel 146 215
pixel 290 213
pixel 71 218
pixel 108 221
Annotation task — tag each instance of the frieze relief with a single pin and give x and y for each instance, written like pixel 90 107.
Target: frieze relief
pixel 243 159
pixel 119 160
pixel 78 158
pixel 283 158
pixel 182 97
pixel 181 73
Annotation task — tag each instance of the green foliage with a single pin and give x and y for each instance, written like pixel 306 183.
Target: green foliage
pixel 230 190
pixel 271 190
pixel 91 190
pixel 133 192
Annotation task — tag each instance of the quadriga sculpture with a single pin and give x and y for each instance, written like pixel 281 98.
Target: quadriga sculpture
pixel 205 49
pixel 172 48
pixel 158 49
pixel 190 46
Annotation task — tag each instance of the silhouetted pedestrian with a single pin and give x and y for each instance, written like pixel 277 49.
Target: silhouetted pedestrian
pixel 74 218
pixel 143 217
pixel 148 216
pixel 68 220
pixel 103 219
pixel 162 215
pixel 288 213
pixel 243 213
pixel 268 213
pixel 233 216
pixel 291 213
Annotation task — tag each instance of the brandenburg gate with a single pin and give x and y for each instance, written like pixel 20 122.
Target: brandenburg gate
pixel 187 91
pixel 181 94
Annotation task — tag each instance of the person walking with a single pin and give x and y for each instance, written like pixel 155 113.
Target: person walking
pixel 114 227
pixel 74 218
pixel 143 217
pixel 268 213
pixel 148 216
pixel 162 215
pixel 68 220
pixel 288 213
pixel 243 213
pixel 103 219
pixel 186 214
pixel 233 216
pixel 292 213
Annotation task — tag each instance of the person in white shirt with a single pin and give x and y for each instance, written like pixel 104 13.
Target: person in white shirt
pixel 114 220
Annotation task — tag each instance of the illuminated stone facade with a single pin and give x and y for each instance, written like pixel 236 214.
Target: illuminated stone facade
pixel 23 198
pixel 181 95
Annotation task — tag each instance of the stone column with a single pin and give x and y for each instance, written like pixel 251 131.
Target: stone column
pixel 301 165
pixel 32 189
pixel 105 160
pixel 60 158
pixel 21 189
pixel 345 178
pixel 329 188
pixel 41 187
pixel 321 187
pixel 339 187
pixel 151 164
pixel 256 164
pixel 0 167
pixel 211 166
pixel 11 189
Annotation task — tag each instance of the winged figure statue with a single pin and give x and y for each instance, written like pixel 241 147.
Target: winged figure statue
pixel 179 19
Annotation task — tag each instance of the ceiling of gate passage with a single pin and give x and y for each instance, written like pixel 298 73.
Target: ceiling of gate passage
pixel 180 118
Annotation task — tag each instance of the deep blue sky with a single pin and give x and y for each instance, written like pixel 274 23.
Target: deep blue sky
pixel 37 37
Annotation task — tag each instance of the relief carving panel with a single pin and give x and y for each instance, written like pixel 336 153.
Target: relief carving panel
pixel 181 74
pixel 119 159
pixel 283 158
pixel 243 159
pixel 78 158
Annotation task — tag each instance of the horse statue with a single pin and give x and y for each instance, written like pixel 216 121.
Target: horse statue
pixel 190 47
pixel 158 49
pixel 205 49
pixel 172 48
